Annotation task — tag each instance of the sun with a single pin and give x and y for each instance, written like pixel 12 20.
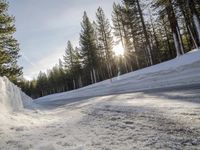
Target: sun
pixel 118 49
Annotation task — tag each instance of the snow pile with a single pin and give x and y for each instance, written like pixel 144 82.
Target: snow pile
pixel 11 97
pixel 183 70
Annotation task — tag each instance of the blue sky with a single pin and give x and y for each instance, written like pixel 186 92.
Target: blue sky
pixel 45 26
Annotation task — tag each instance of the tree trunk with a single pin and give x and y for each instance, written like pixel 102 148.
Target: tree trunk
pixel 174 27
pixel 195 43
pixel 171 52
pixel 94 75
pixel 74 84
pixel 155 38
pixel 180 39
pixel 109 70
pixel 188 26
pixel 80 82
pixel 91 76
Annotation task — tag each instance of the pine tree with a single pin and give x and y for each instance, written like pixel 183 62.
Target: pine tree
pixel 121 33
pixel 132 33
pixel 68 58
pixel 62 75
pixel 117 21
pixel 105 39
pixel 89 48
pixel 77 69
pixel 42 83
pixel 166 7
pixel 71 62
pixel 9 47
pixel 135 15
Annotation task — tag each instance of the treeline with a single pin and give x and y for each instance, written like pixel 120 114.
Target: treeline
pixel 150 32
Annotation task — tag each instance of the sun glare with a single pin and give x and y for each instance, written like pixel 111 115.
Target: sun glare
pixel 118 49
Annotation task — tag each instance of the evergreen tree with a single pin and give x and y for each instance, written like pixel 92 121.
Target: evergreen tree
pixel 101 73
pixel 69 61
pixel 9 47
pixel 42 83
pixel 121 33
pixel 138 27
pixel 189 31
pixel 117 21
pixel 105 39
pixel 68 58
pixel 77 69
pixel 88 49
pixel 166 7
pixel 132 33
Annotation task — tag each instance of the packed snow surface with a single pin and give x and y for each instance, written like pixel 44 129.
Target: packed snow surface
pixel 164 113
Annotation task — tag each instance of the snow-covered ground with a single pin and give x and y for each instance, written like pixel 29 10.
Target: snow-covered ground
pixel 109 115
pixel 143 120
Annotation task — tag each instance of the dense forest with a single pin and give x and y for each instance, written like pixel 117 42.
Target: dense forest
pixel 150 32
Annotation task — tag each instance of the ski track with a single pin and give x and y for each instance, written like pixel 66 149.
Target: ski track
pixel 144 120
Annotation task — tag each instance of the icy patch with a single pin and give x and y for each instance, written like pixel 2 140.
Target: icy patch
pixel 11 97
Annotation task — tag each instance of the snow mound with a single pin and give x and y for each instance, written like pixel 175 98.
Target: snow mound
pixel 11 97
pixel 183 70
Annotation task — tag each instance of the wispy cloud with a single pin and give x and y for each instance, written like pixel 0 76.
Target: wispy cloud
pixel 28 60
pixel 43 64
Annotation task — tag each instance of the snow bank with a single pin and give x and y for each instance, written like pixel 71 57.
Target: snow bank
pixel 182 70
pixel 11 97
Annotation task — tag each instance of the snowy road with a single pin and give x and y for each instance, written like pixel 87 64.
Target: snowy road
pixel 155 119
